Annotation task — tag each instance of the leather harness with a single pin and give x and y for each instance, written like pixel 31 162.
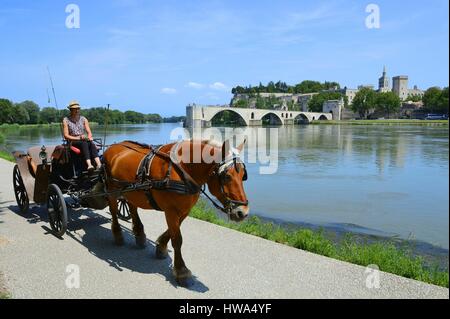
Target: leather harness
pixel 187 186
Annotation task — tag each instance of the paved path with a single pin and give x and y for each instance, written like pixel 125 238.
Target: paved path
pixel 226 263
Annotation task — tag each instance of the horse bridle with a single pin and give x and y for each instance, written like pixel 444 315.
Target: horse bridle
pixel 221 171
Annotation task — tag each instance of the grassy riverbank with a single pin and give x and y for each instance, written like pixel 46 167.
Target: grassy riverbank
pixel 386 255
pixel 6 156
pixel 8 126
pixel 5 128
pixel 383 122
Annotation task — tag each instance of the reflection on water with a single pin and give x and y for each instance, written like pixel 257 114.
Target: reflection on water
pixel 393 179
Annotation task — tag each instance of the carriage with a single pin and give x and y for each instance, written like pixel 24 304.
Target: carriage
pixel 162 178
pixel 56 176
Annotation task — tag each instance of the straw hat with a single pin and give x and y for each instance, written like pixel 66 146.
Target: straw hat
pixel 74 105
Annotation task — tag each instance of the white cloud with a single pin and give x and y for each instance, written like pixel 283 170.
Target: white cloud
pixel 195 85
pixel 208 97
pixel 168 91
pixel 211 96
pixel 218 86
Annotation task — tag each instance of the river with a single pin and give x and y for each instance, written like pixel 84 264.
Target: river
pixel 388 180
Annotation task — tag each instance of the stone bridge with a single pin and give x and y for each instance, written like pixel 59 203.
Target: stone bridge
pixel 202 115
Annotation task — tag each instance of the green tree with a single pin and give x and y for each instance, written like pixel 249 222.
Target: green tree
pixel 134 117
pixel 6 111
pixel 364 101
pixel 95 114
pixel 281 87
pixel 293 106
pixel 20 115
pixel 388 102
pixel 272 101
pixel 116 117
pixel 174 119
pixel 260 102
pixel 156 118
pixel 315 104
pixel 32 110
pixel 431 98
pixel 443 103
pixel 414 98
pixel 49 115
pixel 271 87
pixel 308 86
pixel 241 103
pixel 435 100
pixel 330 86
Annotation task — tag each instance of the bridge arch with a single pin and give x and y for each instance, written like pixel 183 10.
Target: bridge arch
pixel 274 118
pixel 323 118
pixel 235 114
pixel 301 119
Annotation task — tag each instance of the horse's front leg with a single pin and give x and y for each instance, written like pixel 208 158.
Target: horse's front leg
pixel 115 227
pixel 181 272
pixel 138 228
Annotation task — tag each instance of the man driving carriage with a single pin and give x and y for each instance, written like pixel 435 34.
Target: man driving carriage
pixel 75 128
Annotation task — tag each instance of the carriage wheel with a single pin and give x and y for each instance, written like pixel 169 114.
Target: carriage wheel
pixel 57 210
pixel 124 209
pixel 19 190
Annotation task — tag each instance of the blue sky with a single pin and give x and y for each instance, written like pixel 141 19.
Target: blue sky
pixel 158 56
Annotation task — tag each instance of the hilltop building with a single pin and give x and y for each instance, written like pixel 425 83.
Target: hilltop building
pixel 416 91
pixel 400 86
pixel 383 82
pixel 349 93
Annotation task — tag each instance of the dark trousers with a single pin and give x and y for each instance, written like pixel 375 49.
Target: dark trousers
pixel 88 149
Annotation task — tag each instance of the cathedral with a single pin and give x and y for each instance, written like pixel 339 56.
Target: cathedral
pixel 383 82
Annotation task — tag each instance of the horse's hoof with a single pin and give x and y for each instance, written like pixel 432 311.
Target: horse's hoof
pixel 183 277
pixel 185 282
pixel 182 273
pixel 161 253
pixel 141 241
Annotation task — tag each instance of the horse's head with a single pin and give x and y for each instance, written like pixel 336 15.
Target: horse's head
pixel 226 182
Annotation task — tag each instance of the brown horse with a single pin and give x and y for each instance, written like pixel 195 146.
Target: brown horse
pixel 174 175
